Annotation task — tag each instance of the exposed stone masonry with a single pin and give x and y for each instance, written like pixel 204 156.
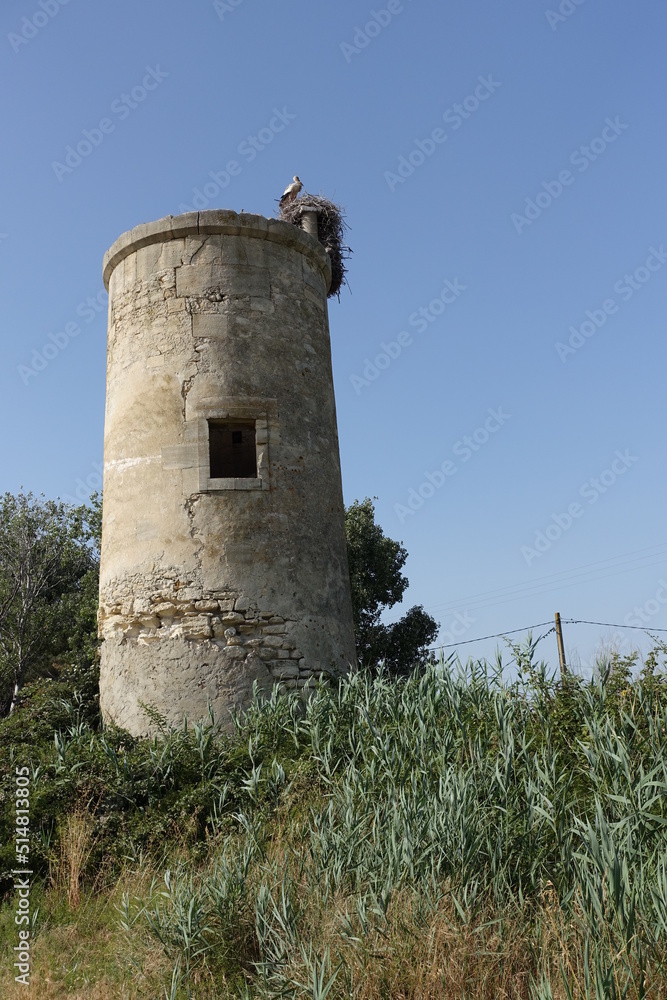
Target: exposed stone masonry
pixel 228 622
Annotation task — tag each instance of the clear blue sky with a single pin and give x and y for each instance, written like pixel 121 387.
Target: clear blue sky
pixel 514 153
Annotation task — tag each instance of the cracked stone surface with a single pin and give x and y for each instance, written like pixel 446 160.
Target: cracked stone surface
pixel 209 586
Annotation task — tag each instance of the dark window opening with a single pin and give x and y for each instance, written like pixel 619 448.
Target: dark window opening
pixel 232 450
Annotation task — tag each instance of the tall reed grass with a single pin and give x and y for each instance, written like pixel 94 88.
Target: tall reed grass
pixel 448 835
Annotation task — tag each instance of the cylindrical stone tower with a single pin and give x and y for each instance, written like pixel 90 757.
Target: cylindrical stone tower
pixel 224 559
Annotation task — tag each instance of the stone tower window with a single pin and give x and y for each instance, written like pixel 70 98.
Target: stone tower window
pixel 232 445
pixel 232 450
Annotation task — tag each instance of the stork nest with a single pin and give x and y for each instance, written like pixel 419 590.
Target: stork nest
pixel 331 229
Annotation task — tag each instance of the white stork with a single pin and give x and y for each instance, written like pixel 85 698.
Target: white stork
pixel 290 192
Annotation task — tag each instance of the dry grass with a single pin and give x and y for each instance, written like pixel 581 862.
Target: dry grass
pixel 410 957
pixel 80 949
pixel 87 956
pixel 494 957
pixel 424 951
pixel 77 841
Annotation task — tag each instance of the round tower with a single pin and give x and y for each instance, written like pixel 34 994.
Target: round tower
pixel 224 559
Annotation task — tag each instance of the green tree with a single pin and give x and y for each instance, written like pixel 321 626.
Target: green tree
pixel 377 583
pixel 49 563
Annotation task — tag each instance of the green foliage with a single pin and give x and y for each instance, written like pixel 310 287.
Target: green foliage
pixel 180 785
pixel 377 583
pixel 45 707
pixel 49 558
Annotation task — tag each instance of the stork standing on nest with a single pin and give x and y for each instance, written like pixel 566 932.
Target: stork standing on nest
pixel 290 192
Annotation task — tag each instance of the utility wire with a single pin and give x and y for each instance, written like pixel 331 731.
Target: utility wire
pixel 642 628
pixel 556 588
pixel 601 569
pixel 499 635
pixel 528 628
pixel 634 556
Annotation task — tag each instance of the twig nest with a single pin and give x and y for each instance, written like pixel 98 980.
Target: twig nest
pixel 331 229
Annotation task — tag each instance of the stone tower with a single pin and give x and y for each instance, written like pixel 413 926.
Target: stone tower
pixel 223 559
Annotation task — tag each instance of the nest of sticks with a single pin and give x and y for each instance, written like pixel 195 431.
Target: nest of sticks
pixel 331 229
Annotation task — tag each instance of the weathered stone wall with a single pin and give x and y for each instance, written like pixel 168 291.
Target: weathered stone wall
pixel 209 585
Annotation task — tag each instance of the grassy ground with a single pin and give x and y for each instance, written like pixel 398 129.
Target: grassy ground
pixel 450 835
